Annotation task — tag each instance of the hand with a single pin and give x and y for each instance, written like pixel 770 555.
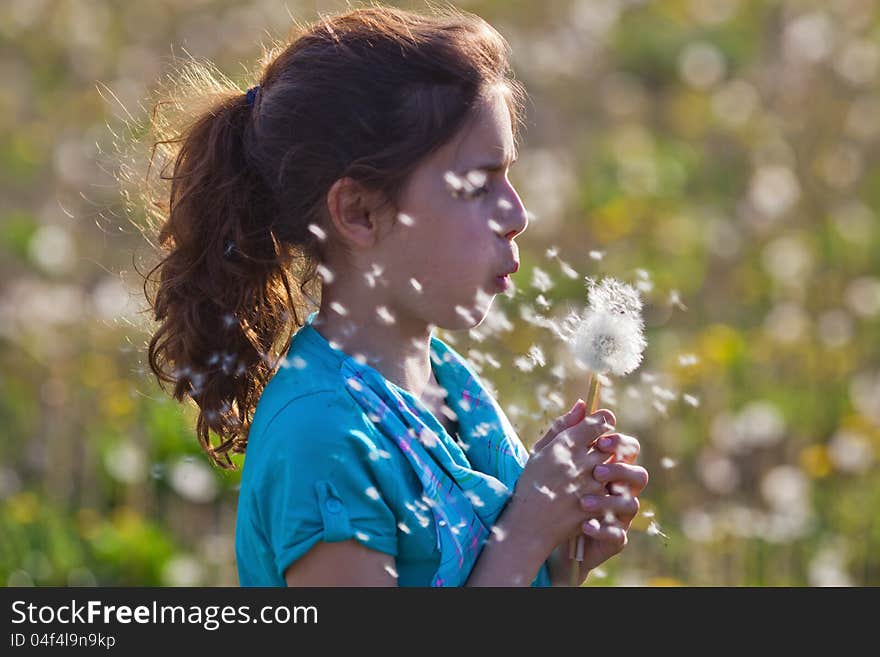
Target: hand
pixel 613 497
pixel 546 502
pixel 611 513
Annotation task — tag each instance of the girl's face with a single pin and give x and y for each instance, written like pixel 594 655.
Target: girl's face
pixel 444 258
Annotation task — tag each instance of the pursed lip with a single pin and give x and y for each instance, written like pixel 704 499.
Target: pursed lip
pixel 511 269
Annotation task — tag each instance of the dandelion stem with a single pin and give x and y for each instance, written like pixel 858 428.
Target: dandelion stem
pixel 576 548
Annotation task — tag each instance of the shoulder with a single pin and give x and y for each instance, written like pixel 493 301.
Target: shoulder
pixel 322 426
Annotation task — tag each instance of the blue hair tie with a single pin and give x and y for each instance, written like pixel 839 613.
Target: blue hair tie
pixel 252 94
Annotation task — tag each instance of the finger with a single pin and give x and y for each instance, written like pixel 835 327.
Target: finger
pixel 587 429
pixel 634 477
pixel 599 506
pixel 563 422
pixel 624 448
pixel 610 533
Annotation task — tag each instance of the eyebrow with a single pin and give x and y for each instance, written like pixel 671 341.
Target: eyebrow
pixel 498 166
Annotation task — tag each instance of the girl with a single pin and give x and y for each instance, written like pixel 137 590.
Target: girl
pixel 371 158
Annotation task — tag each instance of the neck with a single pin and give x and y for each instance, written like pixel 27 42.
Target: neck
pixel 400 351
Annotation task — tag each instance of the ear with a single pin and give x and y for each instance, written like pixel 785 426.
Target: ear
pixel 353 212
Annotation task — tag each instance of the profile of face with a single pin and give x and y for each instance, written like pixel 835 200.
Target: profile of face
pixel 457 219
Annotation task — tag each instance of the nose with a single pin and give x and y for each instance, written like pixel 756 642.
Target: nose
pixel 516 219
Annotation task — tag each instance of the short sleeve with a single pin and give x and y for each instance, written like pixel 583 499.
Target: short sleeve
pixel 328 482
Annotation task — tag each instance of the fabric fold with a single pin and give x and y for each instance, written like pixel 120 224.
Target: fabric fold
pixel 467 484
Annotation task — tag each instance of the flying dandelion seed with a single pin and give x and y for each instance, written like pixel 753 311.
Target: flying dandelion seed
pixel 675 300
pixel 428 438
pixel 354 383
pixel 568 270
pixel 319 232
pixel 552 252
pixel 644 284
pixel 372 493
pixel 597 255
pixel 499 533
pixel 667 463
pixel 390 570
pixel 453 183
pixel 465 313
pixel 654 530
pixel 686 360
pixel 541 301
pixel 474 498
pixel 361 536
pixel 494 226
pixel 416 285
pixel 405 219
pixel 664 393
pixel 402 527
pixel 691 400
pixel 537 355
pixel 325 274
pixel 385 315
pixel 523 364
pixel 541 280
pixel 338 308
pixel 545 491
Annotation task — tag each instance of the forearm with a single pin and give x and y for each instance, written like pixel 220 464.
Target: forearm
pixel 510 557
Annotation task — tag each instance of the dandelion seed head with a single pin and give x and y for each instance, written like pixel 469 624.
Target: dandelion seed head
pixel 609 343
pixel 615 297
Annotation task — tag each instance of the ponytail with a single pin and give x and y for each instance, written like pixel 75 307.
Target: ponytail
pixel 224 292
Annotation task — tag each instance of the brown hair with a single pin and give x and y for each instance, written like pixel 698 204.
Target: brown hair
pixel 368 94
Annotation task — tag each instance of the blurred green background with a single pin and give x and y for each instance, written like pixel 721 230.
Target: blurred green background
pixel 720 154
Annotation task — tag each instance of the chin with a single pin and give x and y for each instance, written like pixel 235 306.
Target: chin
pixel 467 316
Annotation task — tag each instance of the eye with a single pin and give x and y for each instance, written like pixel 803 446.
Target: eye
pixel 479 191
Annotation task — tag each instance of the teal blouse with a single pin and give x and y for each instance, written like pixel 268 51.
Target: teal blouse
pixel 319 466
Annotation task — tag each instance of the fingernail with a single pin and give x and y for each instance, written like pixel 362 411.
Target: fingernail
pixel 600 471
pixel 590 503
pixel 605 442
pixel 591 527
